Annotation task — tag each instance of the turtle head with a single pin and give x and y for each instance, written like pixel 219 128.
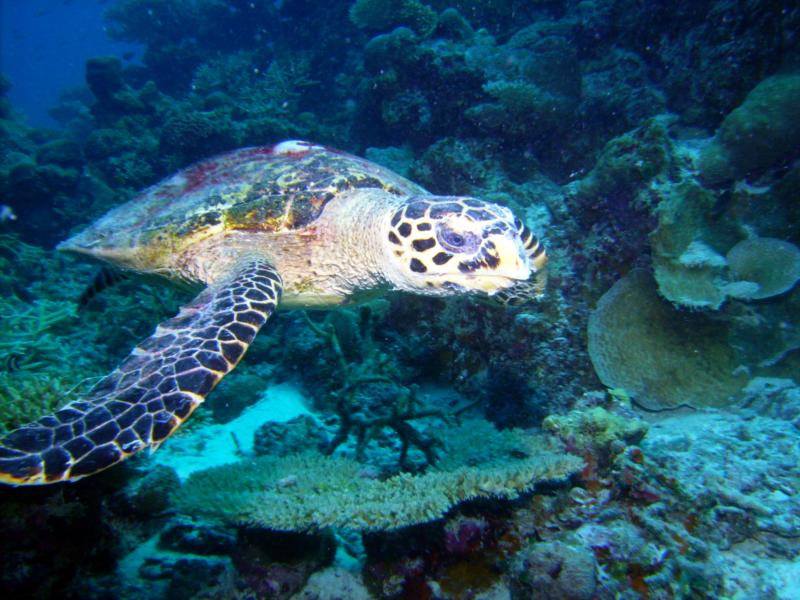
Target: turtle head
pixel 445 245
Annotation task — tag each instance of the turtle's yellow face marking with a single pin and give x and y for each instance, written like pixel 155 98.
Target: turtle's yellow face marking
pixel 444 244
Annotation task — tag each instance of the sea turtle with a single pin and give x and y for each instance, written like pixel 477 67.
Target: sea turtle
pixel 297 224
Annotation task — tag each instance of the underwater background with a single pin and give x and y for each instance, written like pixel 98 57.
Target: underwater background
pixel 633 434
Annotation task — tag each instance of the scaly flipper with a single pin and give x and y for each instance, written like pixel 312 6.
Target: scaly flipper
pixel 152 391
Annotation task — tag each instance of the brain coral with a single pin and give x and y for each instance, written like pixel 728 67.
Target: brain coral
pixel 774 265
pixel 312 491
pixel 662 356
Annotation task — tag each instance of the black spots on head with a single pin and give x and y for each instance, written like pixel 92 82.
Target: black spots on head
pixel 480 215
pixel 440 210
pixel 404 229
pixel 416 210
pixel 422 245
pixel 424 226
pixel 518 224
pixel 491 260
pixel 472 202
pixel 538 252
pixel 467 266
pixel 495 229
pixel 396 218
pixel 442 258
pixel 417 266
pixel 393 238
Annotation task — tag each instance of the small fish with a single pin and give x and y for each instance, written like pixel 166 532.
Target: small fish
pixel 7 213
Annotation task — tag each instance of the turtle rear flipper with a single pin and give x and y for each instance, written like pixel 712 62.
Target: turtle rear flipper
pixel 152 391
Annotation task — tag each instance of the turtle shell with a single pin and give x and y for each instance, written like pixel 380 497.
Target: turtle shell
pixel 263 189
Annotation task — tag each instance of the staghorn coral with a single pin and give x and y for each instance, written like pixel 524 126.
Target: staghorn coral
pixel 310 491
pixel 25 332
pixel 663 357
pixel 25 396
pixel 370 398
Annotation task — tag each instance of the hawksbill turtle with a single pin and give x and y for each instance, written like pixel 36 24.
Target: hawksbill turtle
pixel 295 225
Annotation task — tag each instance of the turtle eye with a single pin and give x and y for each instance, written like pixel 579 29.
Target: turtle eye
pixel 456 241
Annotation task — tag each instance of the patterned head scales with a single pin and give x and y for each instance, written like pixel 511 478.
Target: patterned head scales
pixel 443 245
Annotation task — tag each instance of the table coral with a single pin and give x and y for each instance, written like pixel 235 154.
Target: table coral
pixel 311 491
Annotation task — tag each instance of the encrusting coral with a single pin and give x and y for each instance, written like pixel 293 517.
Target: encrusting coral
pixel 311 491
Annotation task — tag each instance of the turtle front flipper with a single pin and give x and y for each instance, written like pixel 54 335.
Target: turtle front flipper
pixel 152 391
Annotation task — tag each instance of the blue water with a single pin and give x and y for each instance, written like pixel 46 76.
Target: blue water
pixel 43 50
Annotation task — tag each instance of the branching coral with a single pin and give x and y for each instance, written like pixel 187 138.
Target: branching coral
pixel 370 400
pixel 24 336
pixel 310 491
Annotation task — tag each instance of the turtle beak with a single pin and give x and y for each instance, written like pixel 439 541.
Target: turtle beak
pixel 513 262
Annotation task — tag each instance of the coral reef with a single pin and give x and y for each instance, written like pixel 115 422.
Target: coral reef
pixel 310 491
pixel 759 134
pixel 592 119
